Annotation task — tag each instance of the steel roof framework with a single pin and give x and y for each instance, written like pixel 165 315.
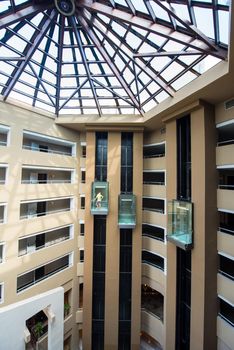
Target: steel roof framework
pixel 110 57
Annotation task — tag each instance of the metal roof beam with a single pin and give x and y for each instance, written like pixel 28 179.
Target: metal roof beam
pixel 149 25
pixel 41 82
pixel 140 63
pixel 196 32
pixel 29 53
pixel 59 63
pixel 109 61
pixel 22 13
pixel 168 53
pixel 84 59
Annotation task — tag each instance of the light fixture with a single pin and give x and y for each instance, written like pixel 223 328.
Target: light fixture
pixel 65 7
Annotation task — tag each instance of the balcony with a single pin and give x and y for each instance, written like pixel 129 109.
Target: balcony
pixel 154 150
pixel 4 132
pixel 2 213
pixel 38 208
pixel 45 175
pixel 47 144
pixel 154 177
pixel 99 198
pixel 180 224
pixel 127 211
pixel 30 278
pixel 3 173
pixel 44 239
pixel 152 301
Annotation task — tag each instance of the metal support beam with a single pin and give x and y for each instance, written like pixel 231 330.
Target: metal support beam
pixel 73 94
pixel 29 53
pixel 59 64
pixel 149 25
pixel 22 13
pixel 144 66
pixel 108 60
pixel 84 59
pixel 194 30
pixel 168 53
pixel 41 82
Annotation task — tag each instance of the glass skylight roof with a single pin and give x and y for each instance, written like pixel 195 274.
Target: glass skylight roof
pixel 107 57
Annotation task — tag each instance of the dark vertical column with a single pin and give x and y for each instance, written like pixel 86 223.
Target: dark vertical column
pixel 101 156
pixel 99 250
pixel 183 280
pixel 125 270
pixel 99 256
pixel 125 289
pixel 126 162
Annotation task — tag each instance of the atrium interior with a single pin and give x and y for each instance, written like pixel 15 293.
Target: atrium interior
pixel 117 174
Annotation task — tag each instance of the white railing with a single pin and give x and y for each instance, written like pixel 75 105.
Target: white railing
pixel 154 183
pixel 47 244
pixel 45 181
pixel 226 187
pixel 41 149
pixel 34 215
pixel 226 142
pixel 160 211
pixel 3 143
pixel 156 155
pixel 43 277
pixel 225 230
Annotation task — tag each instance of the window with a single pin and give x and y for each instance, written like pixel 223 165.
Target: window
pixel 154 150
pixel 82 229
pixel 83 176
pixel 226 267
pixel 153 204
pixel 44 239
pixel 81 288
pixel 184 158
pixel 30 278
pixel 226 311
pixel 83 151
pixel 152 259
pixel 2 213
pixel 152 231
pixel 3 173
pixel 126 162
pixel 1 293
pixel 81 255
pixel 4 135
pixel 2 252
pixel 101 156
pixel 152 177
pixel 82 202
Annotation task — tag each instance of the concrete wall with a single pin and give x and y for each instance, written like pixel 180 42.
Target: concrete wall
pixel 14 192
pixel 13 320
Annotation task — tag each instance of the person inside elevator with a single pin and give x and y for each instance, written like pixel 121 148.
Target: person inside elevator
pixel 99 197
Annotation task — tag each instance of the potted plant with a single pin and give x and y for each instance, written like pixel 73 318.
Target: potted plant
pixel 38 329
pixel 67 307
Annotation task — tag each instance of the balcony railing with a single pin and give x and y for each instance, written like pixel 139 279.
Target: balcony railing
pixel 127 211
pixel 180 224
pixel 47 244
pixel 99 198
pixel 45 181
pixel 35 281
pixel 34 215
pixel 3 143
pixel 46 150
